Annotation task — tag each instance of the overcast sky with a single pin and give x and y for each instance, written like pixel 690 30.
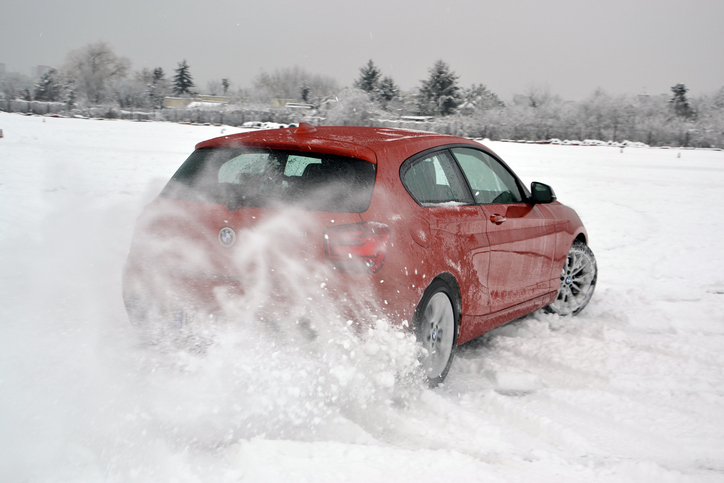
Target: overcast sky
pixel 571 47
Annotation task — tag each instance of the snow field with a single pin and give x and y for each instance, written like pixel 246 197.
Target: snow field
pixel 630 390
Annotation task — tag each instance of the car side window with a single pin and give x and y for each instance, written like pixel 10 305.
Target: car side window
pixel 433 179
pixel 489 180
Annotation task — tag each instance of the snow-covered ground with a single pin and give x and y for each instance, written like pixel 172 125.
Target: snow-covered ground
pixel 630 390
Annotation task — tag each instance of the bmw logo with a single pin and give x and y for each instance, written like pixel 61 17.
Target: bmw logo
pixel 227 237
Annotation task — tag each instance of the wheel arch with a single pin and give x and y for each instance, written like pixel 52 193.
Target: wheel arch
pixel 452 282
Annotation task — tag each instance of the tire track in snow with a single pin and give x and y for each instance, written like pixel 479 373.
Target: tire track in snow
pixel 598 391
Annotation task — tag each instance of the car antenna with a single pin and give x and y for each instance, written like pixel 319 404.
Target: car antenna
pixel 305 128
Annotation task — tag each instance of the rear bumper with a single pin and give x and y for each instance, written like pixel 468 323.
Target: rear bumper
pixel 271 294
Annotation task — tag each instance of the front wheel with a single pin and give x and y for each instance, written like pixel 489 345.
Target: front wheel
pixel 436 325
pixel 578 280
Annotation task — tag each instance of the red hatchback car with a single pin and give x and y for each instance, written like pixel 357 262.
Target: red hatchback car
pixel 422 228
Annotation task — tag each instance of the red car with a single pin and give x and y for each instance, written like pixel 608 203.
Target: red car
pixel 426 229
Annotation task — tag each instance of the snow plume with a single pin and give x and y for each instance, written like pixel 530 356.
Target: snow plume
pixel 287 355
pixel 96 398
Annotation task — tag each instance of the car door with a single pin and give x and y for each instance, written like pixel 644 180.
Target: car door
pixel 458 239
pixel 521 236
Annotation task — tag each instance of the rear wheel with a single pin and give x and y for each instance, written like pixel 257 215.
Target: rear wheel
pixel 436 326
pixel 578 280
pixel 137 309
pixel 156 321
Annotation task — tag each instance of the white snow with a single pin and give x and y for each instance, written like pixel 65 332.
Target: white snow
pixel 631 390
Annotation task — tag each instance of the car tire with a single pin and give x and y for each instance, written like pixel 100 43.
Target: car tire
pixel 137 309
pixel 436 323
pixel 578 281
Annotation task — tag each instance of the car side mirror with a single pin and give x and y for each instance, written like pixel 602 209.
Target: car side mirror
pixel 542 193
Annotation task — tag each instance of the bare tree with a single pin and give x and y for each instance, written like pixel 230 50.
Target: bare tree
pixel 214 87
pixel 294 83
pixel 538 95
pixel 14 85
pixel 128 93
pixel 158 88
pixel 352 107
pixel 481 97
pixel 92 67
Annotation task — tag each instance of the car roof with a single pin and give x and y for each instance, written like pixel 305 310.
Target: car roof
pixel 368 143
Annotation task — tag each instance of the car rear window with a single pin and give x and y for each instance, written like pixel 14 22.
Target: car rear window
pixel 273 178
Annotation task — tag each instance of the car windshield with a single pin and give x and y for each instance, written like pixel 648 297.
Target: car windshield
pixel 273 178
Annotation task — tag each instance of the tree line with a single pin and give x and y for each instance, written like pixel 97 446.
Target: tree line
pixel 537 115
pixel 94 75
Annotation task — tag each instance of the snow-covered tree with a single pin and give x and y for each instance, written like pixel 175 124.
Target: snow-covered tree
pixel 92 67
pixel 12 85
pixel 157 87
pixel 50 87
pixel 718 99
pixel 369 78
pixel 380 89
pixel 680 103
pixel 537 96
pixel 213 87
pixel 182 81
pixel 388 90
pixel 71 95
pixel 304 93
pixel 288 83
pixel 481 97
pixel 353 107
pixel 158 75
pixel 129 93
pixel 439 94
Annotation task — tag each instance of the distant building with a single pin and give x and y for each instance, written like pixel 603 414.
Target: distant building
pixel 298 105
pixel 219 99
pixel 172 102
pixel 281 102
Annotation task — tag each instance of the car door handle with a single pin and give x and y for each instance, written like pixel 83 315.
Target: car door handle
pixel 497 219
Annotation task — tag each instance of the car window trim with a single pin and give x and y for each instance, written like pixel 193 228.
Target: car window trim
pixel 406 164
pixel 524 191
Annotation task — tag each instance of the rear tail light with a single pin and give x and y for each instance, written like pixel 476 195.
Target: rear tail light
pixel 360 247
